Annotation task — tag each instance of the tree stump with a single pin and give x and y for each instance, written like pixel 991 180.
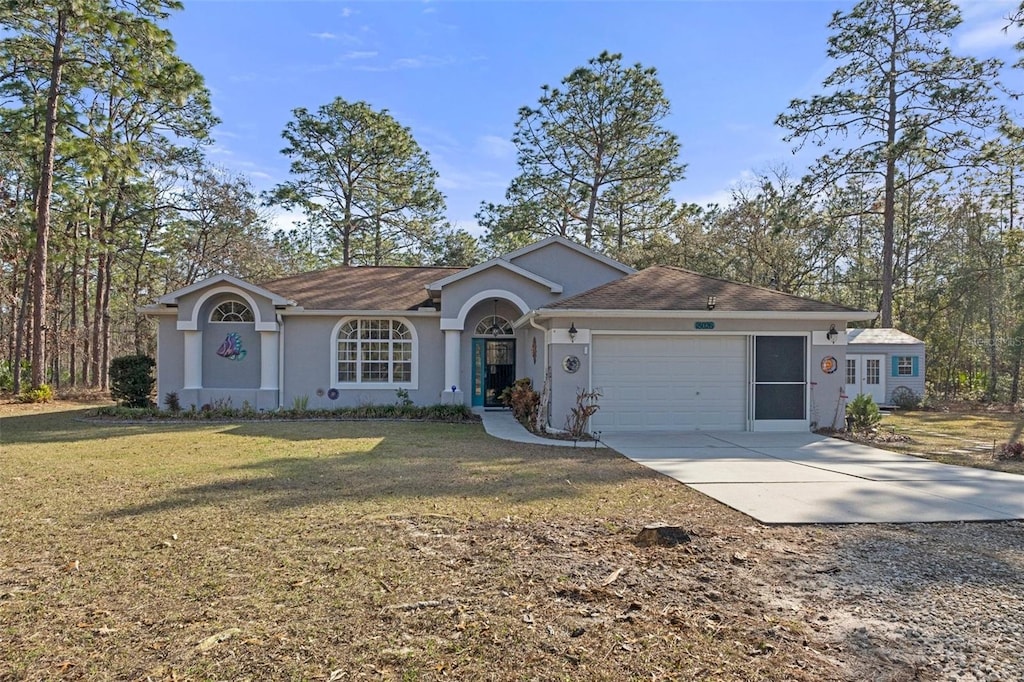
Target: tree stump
pixel 662 535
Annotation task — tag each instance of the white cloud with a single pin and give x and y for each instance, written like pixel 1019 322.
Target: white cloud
pixel 496 147
pixel 325 35
pixel 987 36
pixel 346 12
pixel 286 220
pixel 260 175
pixel 470 225
pixel 359 54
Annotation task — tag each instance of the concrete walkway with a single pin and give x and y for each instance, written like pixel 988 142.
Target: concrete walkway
pixel 501 424
pixel 806 478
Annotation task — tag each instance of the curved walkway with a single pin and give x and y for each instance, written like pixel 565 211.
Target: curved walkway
pixel 501 424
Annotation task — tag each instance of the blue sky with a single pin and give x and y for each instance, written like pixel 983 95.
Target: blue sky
pixel 456 73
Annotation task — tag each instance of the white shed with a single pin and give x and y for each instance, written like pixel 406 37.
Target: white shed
pixel 880 361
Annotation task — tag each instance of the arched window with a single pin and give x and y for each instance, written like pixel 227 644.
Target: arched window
pixel 375 352
pixel 494 325
pixel 232 311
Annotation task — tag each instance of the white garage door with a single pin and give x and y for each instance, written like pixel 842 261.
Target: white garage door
pixel 670 382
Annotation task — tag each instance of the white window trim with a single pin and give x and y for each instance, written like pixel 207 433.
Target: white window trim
pixel 363 385
pixel 232 300
pixel 909 366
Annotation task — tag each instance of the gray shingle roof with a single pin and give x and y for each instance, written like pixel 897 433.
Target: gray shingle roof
pixel 360 288
pixel 662 287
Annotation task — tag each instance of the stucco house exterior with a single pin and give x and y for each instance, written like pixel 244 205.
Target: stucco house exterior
pixel 881 361
pixel 667 348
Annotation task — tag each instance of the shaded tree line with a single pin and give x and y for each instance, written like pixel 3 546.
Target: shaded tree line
pixel 108 200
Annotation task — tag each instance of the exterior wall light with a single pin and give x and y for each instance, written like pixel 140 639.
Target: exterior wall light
pixel 712 301
pixel 832 333
pixel 572 332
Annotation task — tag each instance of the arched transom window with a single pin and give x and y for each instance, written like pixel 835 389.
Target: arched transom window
pixel 494 325
pixel 375 352
pixel 232 311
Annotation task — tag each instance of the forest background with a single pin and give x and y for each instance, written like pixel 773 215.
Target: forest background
pixel 110 197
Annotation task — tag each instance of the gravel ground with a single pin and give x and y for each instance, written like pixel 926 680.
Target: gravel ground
pixel 907 602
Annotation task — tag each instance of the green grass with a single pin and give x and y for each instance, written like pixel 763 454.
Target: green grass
pixel 936 434
pixel 377 549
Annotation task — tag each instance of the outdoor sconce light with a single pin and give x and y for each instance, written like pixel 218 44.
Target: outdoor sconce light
pixel 711 302
pixel 572 332
pixel 832 333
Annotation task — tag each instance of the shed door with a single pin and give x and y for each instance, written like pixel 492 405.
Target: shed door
pixel 687 383
pixel 866 374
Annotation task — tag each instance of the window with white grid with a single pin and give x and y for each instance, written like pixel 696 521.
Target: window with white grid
pixel 374 351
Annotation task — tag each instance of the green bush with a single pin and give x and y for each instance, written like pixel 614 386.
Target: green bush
pixel 43 394
pixel 862 413
pixel 131 380
pixel 524 401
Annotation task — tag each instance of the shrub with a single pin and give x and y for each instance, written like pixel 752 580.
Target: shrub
pixel 578 419
pixel 131 380
pixel 43 394
pixel 403 397
pixel 1012 451
pixel 300 403
pixel 172 402
pixel 524 401
pixel 904 398
pixel 862 413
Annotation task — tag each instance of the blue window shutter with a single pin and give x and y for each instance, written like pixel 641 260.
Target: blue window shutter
pixel 915 370
pixel 895 366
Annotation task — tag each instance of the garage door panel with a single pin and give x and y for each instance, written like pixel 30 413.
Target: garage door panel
pixel 679 382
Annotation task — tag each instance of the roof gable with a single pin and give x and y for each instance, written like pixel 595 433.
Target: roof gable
pixel 667 288
pixel 501 263
pixel 568 243
pixel 173 297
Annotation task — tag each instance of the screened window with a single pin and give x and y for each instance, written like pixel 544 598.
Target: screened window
pixel 780 377
pixel 905 366
pixel 232 311
pixel 374 352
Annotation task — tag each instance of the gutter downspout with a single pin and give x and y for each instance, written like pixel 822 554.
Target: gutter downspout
pixel 280 361
pixel 531 320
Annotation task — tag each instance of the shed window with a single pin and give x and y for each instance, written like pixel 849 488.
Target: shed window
pixel 374 352
pixel 232 311
pixel 904 366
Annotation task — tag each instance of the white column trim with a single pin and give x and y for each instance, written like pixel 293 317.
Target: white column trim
pixel 269 360
pixel 193 360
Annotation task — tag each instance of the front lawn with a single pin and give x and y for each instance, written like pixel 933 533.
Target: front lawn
pixel 343 550
pixel 963 438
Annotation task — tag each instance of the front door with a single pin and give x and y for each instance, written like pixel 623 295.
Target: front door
pixel 864 375
pixel 499 369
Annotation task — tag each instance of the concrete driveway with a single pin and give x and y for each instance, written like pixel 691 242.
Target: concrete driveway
pixel 806 478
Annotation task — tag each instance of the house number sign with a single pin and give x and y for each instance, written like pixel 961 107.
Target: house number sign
pixel 704 325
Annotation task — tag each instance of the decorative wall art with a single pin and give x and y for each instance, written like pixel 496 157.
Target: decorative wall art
pixel 232 347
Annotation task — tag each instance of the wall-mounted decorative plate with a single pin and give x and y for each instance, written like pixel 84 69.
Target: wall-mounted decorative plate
pixel 571 364
pixel 829 364
pixel 332 394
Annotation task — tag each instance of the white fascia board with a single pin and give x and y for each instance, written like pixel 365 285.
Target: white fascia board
pixel 551 313
pixel 568 243
pixel 554 287
pixel 276 300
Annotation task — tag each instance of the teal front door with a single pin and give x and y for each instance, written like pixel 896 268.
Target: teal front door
pixel 494 370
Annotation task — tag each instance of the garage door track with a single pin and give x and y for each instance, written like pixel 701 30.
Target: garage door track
pixel 807 478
